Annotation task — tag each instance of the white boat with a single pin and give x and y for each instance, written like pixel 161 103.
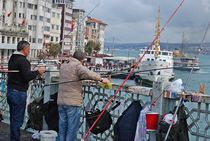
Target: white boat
pixel 156 64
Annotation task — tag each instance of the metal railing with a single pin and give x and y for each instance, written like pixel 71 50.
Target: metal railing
pixel 197 111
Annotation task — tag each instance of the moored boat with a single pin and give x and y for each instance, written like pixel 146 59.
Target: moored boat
pixel 156 64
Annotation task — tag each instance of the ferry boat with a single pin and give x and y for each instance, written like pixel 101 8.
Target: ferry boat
pixel 186 63
pixel 156 65
pixel 183 61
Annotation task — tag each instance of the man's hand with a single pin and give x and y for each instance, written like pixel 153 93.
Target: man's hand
pixel 105 80
pixel 41 70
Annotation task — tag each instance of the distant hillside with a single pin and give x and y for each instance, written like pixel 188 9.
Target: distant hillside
pixel 187 48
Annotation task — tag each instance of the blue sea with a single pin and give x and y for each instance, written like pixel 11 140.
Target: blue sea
pixel 191 80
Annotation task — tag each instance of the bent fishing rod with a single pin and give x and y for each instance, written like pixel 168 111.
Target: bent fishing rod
pixel 139 61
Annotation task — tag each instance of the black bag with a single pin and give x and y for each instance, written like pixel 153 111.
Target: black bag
pixel 103 123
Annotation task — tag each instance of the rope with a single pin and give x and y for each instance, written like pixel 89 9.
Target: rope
pixel 139 61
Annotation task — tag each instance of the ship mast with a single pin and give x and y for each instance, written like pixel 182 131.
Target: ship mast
pixel 157 41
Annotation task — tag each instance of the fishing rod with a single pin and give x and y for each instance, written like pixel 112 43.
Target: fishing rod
pixel 139 61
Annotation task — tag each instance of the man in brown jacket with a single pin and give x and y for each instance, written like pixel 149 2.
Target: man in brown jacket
pixel 70 95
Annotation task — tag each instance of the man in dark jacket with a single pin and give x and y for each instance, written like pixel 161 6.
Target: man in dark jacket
pixel 17 86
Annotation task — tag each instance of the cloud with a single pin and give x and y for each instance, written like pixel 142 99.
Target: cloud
pixel 134 20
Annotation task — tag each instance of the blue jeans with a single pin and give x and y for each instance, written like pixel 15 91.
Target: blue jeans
pixel 17 105
pixel 69 119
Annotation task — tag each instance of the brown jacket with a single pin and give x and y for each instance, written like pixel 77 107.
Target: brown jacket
pixel 71 93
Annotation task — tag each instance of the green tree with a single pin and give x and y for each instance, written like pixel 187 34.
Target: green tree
pixel 89 47
pixel 53 49
pixel 97 46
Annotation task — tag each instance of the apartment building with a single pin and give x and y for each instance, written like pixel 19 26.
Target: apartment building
pixel 95 30
pixel 24 20
pixel 79 17
pixel 68 35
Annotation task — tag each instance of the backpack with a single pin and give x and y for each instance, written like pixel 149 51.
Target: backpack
pixel 125 127
pixel 35 113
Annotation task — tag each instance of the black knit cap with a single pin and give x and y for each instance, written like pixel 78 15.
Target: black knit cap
pixel 22 44
pixel 79 55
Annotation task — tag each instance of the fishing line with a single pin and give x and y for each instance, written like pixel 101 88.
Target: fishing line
pixel 139 61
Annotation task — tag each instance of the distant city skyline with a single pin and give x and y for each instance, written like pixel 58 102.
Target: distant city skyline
pixel 135 22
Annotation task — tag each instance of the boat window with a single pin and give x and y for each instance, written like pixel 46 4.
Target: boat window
pixel 152 52
pixel 148 59
pixel 148 52
pixel 160 59
pixel 164 53
pixel 164 60
pixel 152 59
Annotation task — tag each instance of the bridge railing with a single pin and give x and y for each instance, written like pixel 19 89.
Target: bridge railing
pixel 197 107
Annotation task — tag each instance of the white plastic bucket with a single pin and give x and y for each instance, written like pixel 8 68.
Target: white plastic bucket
pixel 48 135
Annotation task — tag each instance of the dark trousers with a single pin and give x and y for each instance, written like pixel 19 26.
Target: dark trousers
pixel 17 105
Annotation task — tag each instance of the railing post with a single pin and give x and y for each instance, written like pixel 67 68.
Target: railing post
pixel 46 93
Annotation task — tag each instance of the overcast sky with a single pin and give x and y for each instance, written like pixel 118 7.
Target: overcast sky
pixel 133 21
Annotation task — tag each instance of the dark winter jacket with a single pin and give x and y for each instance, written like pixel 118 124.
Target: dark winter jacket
pixel 20 80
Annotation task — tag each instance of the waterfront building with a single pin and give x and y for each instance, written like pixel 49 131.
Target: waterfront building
pixel 24 20
pixel 95 30
pixel 79 16
pixel 68 34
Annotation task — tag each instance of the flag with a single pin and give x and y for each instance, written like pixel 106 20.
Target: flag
pixel 24 22
pixel 72 24
pixel 9 14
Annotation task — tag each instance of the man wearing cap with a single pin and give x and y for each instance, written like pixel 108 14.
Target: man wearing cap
pixel 70 97
pixel 17 86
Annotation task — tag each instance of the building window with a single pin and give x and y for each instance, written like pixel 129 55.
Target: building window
pixel 52 39
pixel 30 39
pixel 22 39
pixel 18 39
pixel 39 40
pixel 3 39
pixel 41 18
pixel 33 40
pixel 13 40
pixel 19 15
pixel 34 28
pixel 23 4
pixel 8 39
pixel 53 26
pixel 57 27
pixel 4 4
pixel 29 27
pixel 48 20
pixel 56 39
pixel 30 6
pixel 35 7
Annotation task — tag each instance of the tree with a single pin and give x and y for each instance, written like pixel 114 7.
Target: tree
pixel 97 46
pixel 53 49
pixel 92 46
pixel 89 47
